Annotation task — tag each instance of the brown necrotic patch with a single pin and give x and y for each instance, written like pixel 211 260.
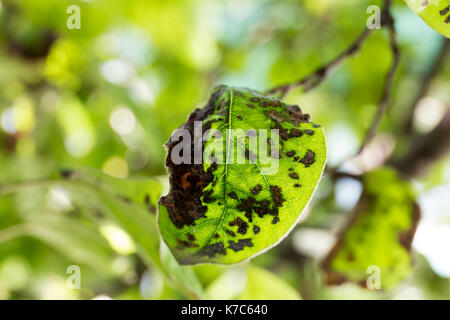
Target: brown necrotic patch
pixel 308 159
pixel 213 249
pixel 240 244
pixel 184 201
pixel 241 224
pixel 293 175
pixel 290 153
pixel 256 189
pixel 187 244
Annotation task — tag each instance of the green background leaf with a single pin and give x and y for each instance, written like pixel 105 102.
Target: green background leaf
pixel 380 233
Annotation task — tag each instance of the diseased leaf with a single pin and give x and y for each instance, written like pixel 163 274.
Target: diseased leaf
pixel 221 210
pixel 380 233
pixel 436 13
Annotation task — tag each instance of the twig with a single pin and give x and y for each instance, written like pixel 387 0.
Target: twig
pixel 313 80
pixel 425 149
pixel 388 21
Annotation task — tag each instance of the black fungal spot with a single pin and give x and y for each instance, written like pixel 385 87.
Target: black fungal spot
pixel 309 158
pixel 216 236
pixel 277 196
pixel 309 132
pixel 238 93
pixel 239 117
pixel 241 244
pixel 255 99
pixel 316 125
pixel 275 220
pixel 256 229
pixel 207 197
pixel 232 195
pixel 290 153
pixel 296 116
pixel 187 244
pixel 293 175
pixel 296 185
pixel 231 233
pixel 213 249
pixel 294 133
pixel 296 158
pixel 242 225
pixel 250 105
pixel 190 237
pixel 256 189
pixel 444 11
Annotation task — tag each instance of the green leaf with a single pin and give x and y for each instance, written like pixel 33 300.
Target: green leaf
pixel 183 275
pixel 265 285
pixel 436 13
pixel 78 241
pixel 379 235
pixel 250 283
pixel 230 211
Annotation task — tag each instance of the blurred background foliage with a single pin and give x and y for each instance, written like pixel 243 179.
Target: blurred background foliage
pixel 107 97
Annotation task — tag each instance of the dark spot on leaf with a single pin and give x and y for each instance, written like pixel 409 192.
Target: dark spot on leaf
pixel 309 132
pixel 250 105
pixel 256 229
pixel 277 196
pixel 290 153
pixel 187 244
pixel 444 11
pixel 296 185
pixel 256 189
pixel 232 195
pixel 309 158
pixel 293 175
pixel 239 117
pixel 254 99
pixel 242 225
pixel 213 249
pixel 241 244
pixel 294 133
pixel 231 233
pixel 190 237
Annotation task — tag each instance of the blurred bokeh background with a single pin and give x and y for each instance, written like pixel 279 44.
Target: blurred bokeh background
pixel 108 95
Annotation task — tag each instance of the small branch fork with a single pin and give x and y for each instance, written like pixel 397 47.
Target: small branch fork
pixel 313 80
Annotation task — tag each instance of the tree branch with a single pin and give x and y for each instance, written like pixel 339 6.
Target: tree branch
pixel 426 149
pixel 383 104
pixel 314 79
